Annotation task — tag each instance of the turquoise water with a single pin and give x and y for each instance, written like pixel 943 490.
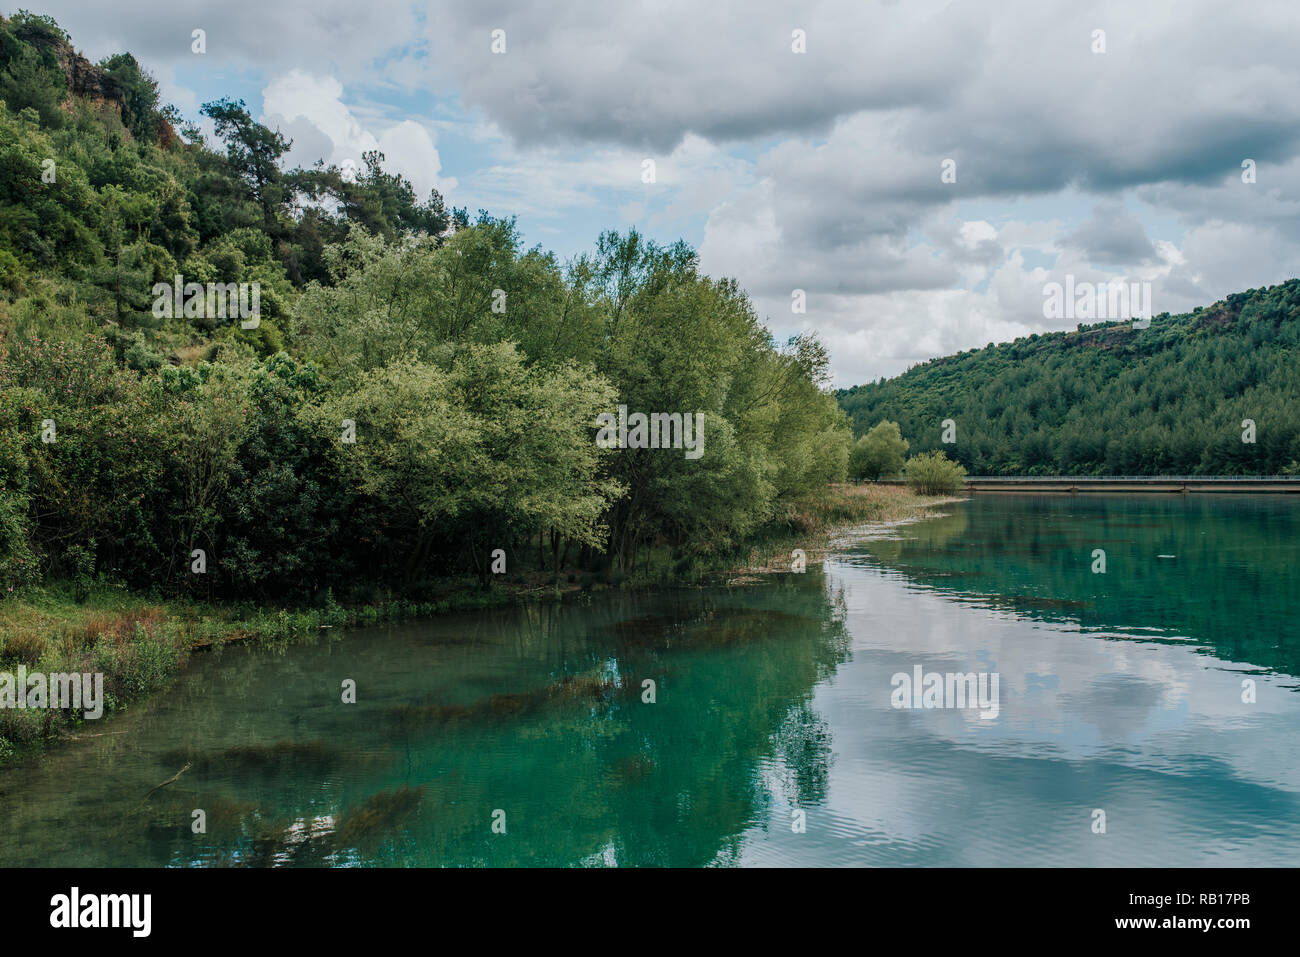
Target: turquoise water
pixel 772 738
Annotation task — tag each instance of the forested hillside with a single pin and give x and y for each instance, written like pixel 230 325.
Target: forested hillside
pixel 1110 399
pixel 417 391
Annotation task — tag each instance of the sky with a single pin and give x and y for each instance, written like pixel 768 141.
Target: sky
pixel 800 146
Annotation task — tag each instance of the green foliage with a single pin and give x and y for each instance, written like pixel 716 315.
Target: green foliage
pixel 933 473
pixel 18 564
pixel 382 203
pixel 98 478
pixel 771 431
pixel 285 504
pixel 43 223
pixel 139 93
pixel 30 77
pixel 1113 400
pixel 481 453
pixel 881 451
pixel 79 561
pixel 387 300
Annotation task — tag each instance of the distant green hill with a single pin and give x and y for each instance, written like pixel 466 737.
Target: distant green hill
pixel 1109 399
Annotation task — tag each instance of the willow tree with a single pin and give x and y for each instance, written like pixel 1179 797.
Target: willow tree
pixel 477 454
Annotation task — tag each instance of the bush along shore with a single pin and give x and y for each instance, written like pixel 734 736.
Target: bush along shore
pixel 139 643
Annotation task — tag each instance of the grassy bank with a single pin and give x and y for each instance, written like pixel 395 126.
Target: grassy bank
pixel 140 642
pixel 809 525
pixel 813 527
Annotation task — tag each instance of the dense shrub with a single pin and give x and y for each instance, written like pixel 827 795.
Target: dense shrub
pixel 933 473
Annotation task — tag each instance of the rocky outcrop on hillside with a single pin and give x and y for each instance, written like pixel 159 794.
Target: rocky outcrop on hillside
pixel 84 78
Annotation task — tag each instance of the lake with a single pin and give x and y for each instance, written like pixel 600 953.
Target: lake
pixel 1145 715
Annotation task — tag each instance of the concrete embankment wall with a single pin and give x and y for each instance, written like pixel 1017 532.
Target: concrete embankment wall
pixel 982 484
pixel 1079 486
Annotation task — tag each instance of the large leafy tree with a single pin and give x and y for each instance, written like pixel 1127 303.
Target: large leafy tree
pixel 882 451
pixel 680 342
pixel 254 152
pixel 476 455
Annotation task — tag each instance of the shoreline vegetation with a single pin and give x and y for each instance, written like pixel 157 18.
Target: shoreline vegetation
pixel 141 642
pixel 242 401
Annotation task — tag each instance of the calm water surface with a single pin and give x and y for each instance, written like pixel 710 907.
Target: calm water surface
pixel 1119 691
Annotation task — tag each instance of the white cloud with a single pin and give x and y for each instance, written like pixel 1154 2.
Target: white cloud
pixel 310 110
pixel 539 183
